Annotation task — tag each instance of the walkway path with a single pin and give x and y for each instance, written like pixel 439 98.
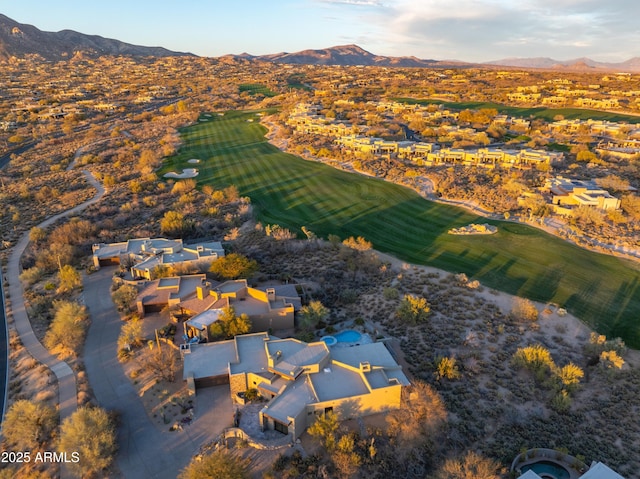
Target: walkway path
pixel 67 393
pixel 144 450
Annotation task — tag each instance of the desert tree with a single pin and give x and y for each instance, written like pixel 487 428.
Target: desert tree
pixel 68 279
pixel 162 363
pixel 569 376
pixel 67 331
pixel 419 421
pixel 28 424
pixel 345 458
pixel 234 266
pixel 311 314
pixel 536 358
pixel 124 296
pixel 131 333
pixel 229 324
pixel 91 433
pixel 611 360
pixel 325 428
pixel 470 466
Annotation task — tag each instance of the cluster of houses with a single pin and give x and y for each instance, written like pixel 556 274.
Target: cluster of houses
pixel 430 154
pixel 306 119
pixel 300 380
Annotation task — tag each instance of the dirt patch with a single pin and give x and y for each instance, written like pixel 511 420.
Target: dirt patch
pixel 167 403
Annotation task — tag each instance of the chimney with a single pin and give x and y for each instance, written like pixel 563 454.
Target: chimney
pixel 203 290
pixel 271 294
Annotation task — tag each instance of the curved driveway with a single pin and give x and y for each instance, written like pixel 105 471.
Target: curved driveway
pixel 144 450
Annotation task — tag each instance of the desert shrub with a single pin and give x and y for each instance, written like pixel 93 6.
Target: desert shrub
pixel 221 464
pixel 536 358
pixel 390 293
pixel 31 276
pixel 446 368
pixel 611 360
pixel 524 310
pixel 413 309
pixel 569 376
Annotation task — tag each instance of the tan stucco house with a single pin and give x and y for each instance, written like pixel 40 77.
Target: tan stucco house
pixel 145 254
pixel 269 308
pixel 300 380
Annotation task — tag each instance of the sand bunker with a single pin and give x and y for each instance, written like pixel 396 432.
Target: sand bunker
pixel 474 229
pixel 193 161
pixel 186 173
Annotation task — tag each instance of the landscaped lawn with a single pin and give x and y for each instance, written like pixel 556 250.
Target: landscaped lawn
pixel 292 192
pixel 536 112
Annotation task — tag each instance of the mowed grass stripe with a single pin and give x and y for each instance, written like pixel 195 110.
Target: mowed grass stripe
pixel 287 190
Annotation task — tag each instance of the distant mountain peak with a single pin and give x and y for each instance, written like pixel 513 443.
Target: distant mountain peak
pixel 345 55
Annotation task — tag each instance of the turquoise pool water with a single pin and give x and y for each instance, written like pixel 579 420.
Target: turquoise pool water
pixel 330 340
pixel 348 336
pixel 547 470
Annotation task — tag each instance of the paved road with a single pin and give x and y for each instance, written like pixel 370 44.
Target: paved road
pixel 67 393
pixel 144 450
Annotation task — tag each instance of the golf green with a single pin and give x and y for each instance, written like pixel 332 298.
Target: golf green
pixel 600 289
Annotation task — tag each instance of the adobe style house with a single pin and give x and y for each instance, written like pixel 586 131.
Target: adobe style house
pixel 300 380
pixel 145 254
pixel 568 194
pixel 269 308
pixel 154 296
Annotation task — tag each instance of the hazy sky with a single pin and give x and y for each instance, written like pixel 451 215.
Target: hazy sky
pixel 468 30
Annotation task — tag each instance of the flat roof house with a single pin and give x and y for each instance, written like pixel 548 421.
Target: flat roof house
pixel 300 380
pixel 572 193
pixel 271 307
pixel 145 254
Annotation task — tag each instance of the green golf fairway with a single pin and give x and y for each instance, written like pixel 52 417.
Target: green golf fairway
pixel 601 290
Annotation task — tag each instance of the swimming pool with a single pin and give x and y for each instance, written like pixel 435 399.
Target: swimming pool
pixel 348 336
pixel 329 340
pixel 547 470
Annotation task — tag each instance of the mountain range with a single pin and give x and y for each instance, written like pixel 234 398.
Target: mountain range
pixel 579 64
pixel 347 55
pixel 19 40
